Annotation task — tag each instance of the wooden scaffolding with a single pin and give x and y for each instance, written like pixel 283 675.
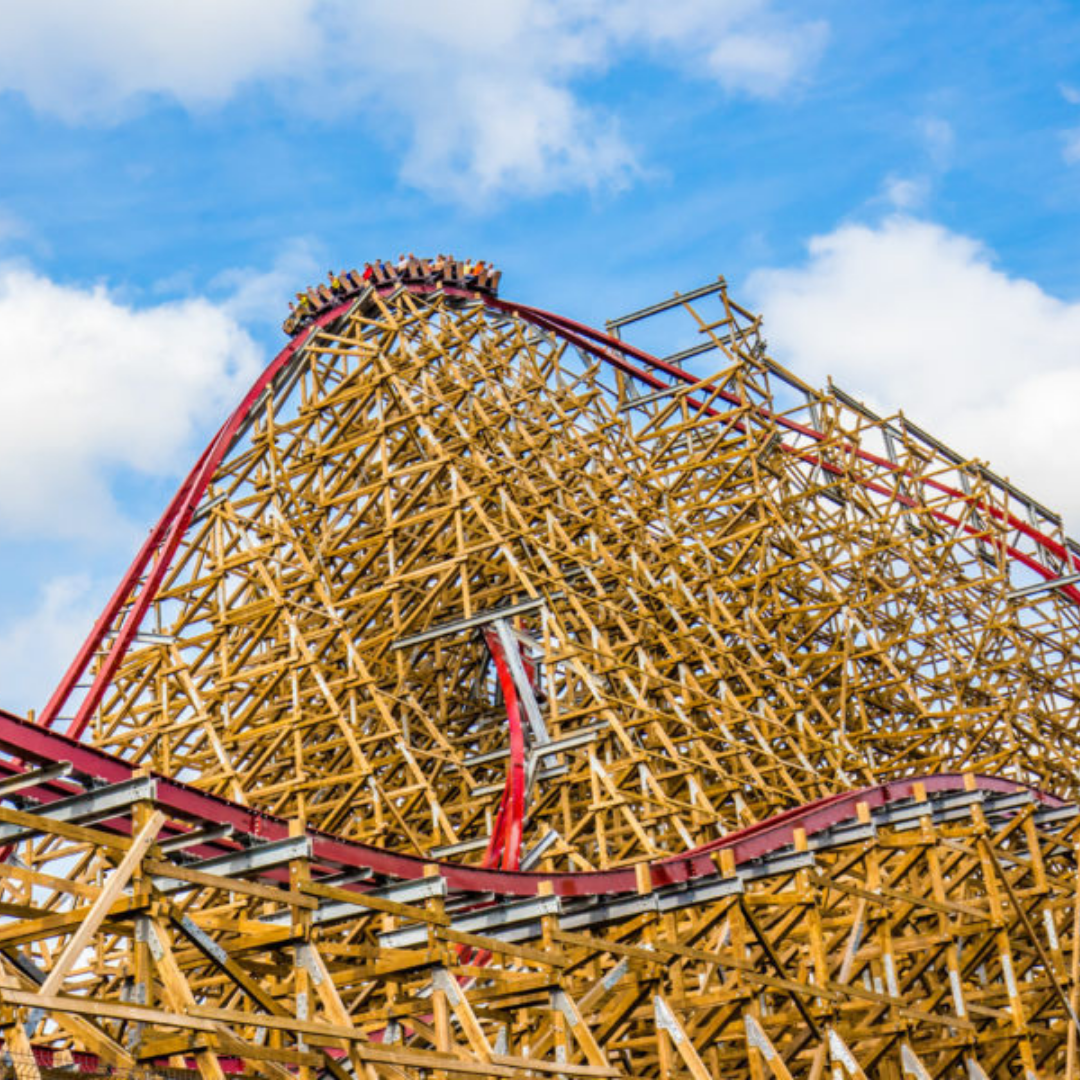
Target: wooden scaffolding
pixel 496 699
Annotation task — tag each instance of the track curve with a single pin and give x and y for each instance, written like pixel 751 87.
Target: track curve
pixel 26 741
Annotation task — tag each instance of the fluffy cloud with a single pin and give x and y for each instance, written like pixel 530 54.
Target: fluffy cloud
pixel 1070 138
pixel 79 60
pixel 496 88
pixel 748 46
pixel 939 139
pixel 93 387
pixel 36 648
pixel 251 296
pixel 485 90
pixel 909 315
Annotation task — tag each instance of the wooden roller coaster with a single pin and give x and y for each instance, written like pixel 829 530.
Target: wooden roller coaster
pixel 495 699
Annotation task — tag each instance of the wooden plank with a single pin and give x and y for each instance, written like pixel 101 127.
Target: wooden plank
pixel 101 907
pixel 238 885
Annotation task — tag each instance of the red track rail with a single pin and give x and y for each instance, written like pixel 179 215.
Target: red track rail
pixel 147 571
pixel 29 742
pixel 505 843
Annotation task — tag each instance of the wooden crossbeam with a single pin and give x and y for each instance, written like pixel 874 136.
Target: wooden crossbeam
pixel 722 594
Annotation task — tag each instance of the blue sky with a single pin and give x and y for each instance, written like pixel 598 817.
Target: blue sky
pixel 896 187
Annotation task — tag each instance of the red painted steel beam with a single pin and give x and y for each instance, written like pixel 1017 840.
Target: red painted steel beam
pixel 167 535
pixel 30 742
pixel 504 848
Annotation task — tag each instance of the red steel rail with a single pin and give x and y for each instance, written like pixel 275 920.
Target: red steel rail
pixel 139 585
pixel 31 743
pixel 505 844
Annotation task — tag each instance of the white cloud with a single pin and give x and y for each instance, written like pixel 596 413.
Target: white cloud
pixel 93 386
pixel 490 91
pixel 486 135
pixel 1070 137
pixel 11 228
pixel 764 64
pixel 746 45
pixel 909 315
pixel 78 60
pixel 486 93
pixel 36 649
pixel 252 296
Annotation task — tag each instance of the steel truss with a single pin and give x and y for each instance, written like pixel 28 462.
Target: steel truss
pixel 742 721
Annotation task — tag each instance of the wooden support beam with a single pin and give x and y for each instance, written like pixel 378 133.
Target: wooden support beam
pixel 725 596
pixel 110 893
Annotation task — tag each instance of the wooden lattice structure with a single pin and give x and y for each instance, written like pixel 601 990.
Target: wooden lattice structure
pixel 496 699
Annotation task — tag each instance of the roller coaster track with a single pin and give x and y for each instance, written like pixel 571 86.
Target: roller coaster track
pixel 20 738
pixel 787 741
pixel 163 540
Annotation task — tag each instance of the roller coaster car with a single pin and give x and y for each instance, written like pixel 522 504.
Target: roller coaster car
pixel 415 272
pixel 322 297
pixel 453 274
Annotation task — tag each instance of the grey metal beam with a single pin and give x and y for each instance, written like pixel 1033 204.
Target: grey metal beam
pixel 236 863
pixel 103 802
pixel 482 619
pixel 666 305
pixel 556 746
pixel 449 851
pixel 699 891
pixel 538 850
pixel 494 922
pixel 925 437
pixel 1044 586
pixel 12 784
pixel 549 773
pixel 413 891
pixel 842 835
pixel 779 863
pixel 1020 496
pixel 205 508
pixel 648 399
pixel 401 892
pixel 512 651
pixel 900 813
pixel 196 836
pixel 605 910
pixel 677 359
pixel 852 403
pixel 1056 813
